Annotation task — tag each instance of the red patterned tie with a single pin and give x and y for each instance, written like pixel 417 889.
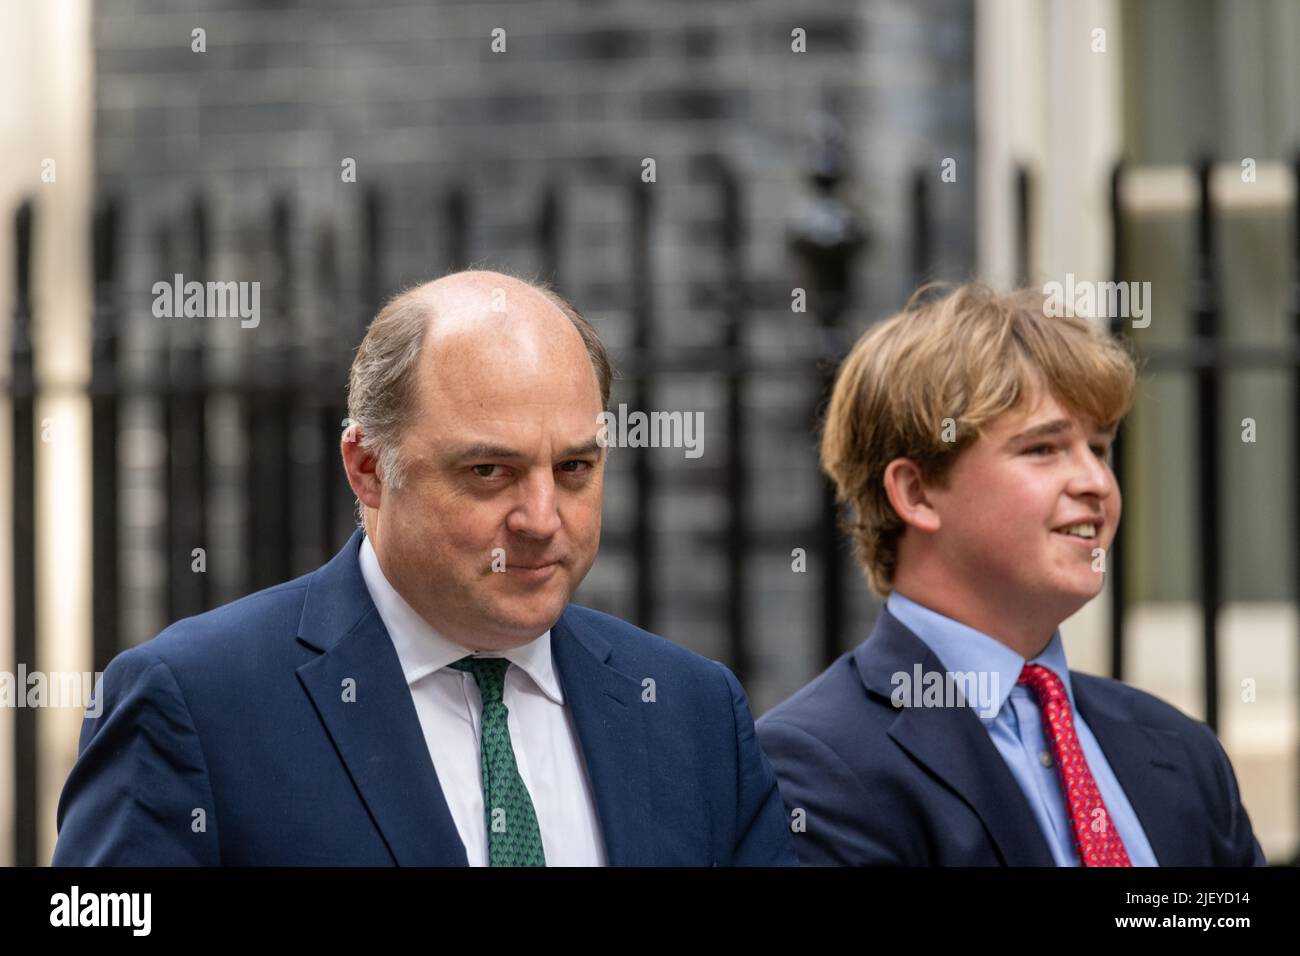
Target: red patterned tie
pixel 1097 839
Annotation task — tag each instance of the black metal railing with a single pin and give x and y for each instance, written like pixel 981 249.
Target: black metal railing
pixel 286 389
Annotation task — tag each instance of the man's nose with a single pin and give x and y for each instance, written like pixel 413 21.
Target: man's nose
pixel 536 513
pixel 1091 475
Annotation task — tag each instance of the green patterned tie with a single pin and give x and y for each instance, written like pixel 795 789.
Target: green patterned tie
pixel 514 838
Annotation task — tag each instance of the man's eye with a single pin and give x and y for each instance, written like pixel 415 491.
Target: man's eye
pixel 484 471
pixel 578 466
pixel 1037 448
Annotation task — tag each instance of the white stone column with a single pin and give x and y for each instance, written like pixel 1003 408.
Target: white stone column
pixel 46 67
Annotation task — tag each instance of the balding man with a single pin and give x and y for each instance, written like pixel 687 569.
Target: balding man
pixel 429 696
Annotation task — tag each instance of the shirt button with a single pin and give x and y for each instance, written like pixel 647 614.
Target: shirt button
pixel 1045 758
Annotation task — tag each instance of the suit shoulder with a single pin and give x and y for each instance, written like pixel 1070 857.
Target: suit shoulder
pixel 818 708
pixel 636 646
pixel 213 635
pixel 1145 708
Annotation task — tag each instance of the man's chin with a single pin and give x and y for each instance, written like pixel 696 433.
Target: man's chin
pixel 524 609
pixel 524 624
pixel 1072 599
pixel 1093 585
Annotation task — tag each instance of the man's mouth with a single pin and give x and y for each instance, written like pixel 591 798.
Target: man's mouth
pixel 532 564
pixel 1086 531
pixel 533 573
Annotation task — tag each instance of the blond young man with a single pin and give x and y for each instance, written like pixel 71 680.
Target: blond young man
pixel 970 436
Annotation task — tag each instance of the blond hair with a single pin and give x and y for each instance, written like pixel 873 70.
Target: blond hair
pixel 924 383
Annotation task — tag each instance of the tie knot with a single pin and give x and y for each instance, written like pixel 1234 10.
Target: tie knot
pixel 1043 682
pixel 489 672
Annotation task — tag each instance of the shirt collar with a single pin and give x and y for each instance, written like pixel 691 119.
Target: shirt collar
pixel 421 650
pixel 962 649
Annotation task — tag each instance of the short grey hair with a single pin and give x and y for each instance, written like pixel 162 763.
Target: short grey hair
pixel 382 392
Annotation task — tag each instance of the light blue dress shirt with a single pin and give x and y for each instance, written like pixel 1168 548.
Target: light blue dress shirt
pixel 1012 717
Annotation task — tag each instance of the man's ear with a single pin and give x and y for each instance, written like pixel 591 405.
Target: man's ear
pixel 909 495
pixel 360 466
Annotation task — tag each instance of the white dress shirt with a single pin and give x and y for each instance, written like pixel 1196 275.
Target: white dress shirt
pixel 545 739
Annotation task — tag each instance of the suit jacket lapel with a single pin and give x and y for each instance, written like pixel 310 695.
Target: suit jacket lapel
pixel 378 735
pixel 952 744
pixel 608 714
pixel 1149 765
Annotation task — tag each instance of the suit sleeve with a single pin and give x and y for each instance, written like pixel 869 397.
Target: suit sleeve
pixel 140 776
pixel 837 822
pixel 762 829
pixel 1242 849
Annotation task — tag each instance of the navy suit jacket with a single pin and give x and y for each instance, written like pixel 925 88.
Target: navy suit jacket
pixel 226 740
pixel 926 786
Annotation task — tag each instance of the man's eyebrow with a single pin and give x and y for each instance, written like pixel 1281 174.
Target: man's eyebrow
pixel 591 446
pixel 1055 427
pixel 483 452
